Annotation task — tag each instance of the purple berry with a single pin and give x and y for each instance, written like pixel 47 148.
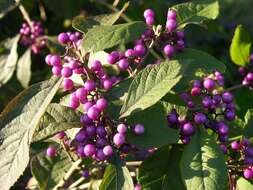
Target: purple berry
pixel 249 151
pixel 223 149
pixel 51 151
pixel 91 130
pixel 55 60
pixel 93 113
pixel 172 118
pixel 137 187
pixel 207 102
pixel 150 20
pixel 149 12
pixel 81 136
pixel 112 57
pixel 129 53
pixel 140 49
pixel 235 145
pixel 249 77
pixel 209 84
pixel 195 91
pixel 89 150
pixel 248 160
pixel 87 106
pixel 245 142
pixel 168 50
pixel 248 173
pixel 227 97
pixel 230 115
pixel 74 104
pixel 101 142
pixel 200 118
pixel 119 139
pixel 108 151
pixel 60 135
pixel 122 128
pixel 139 129
pixel 48 59
pixel 56 70
pixel 90 85
pixel 123 64
pixel 81 94
pixel 73 64
pixel 101 104
pixel 66 72
pixel 63 38
pixel 101 132
pixel 187 129
pixel 96 65
pixel 80 151
pixel 100 156
pixel 222 129
pixel 86 174
pixel 185 139
pixel 68 84
pixel 85 120
pixel 171 25
pixel 107 84
pixel 172 14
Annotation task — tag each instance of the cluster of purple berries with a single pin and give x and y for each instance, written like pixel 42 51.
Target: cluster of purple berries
pixel 240 153
pixel 247 73
pixel 33 35
pixel 208 105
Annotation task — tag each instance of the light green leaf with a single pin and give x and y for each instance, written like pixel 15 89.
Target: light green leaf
pixel 49 171
pixel 157 133
pixel 196 11
pixel 17 125
pixel 56 118
pixel 243 184
pixel 116 177
pixel 24 68
pixel 150 85
pixel 164 174
pixel 240 47
pixel 83 24
pixel 104 37
pixel 8 60
pixel 203 165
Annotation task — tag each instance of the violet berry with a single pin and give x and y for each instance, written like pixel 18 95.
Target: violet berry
pixel 122 128
pixel 66 72
pixel 118 139
pixel 67 84
pixel 149 12
pixel 63 38
pixel 139 129
pixel 168 50
pixel 123 64
pixel 209 84
pixel 200 118
pixel 172 14
pixel 51 151
pixel 235 145
pixel 93 113
pixel 90 85
pixel 101 104
pixel 171 25
pixel 248 173
pixel 187 129
pixel 86 174
pixel 89 149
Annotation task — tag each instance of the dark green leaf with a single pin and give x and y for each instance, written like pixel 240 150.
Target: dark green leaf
pixel 116 177
pixel 203 164
pixel 197 11
pixel 157 133
pixel 240 47
pixel 24 68
pixel 56 118
pixel 17 124
pixel 49 171
pixel 103 37
pixel 150 85
pixel 164 174
pixel 83 24
pixel 6 6
pixel 248 125
pixel 8 60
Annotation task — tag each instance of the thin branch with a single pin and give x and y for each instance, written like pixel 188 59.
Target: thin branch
pixel 234 87
pixel 24 13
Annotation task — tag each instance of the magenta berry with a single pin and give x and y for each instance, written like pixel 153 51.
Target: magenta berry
pixel 168 50
pixel 67 84
pixel 172 14
pixel 93 113
pixel 171 25
pixel 56 70
pixel 55 60
pixel 90 85
pixel 118 139
pixel 150 20
pixel 108 151
pixel 123 64
pixel 66 72
pixel 63 38
pixel 101 104
pixel 89 150
pixel 235 145
pixel 187 129
pixel 96 65
pixel 122 128
pixel 51 151
pixel 139 129
pixel 209 84
pixel 149 13
pixel 248 173
pixel 60 135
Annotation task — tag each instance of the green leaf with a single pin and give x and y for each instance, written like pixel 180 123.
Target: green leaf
pixel 243 184
pixel 17 125
pixel 164 174
pixel 8 61
pixel 7 6
pixel 150 85
pixel 195 12
pixel 203 164
pixel 248 124
pixel 157 133
pixel 198 65
pixel 116 177
pixel 24 68
pixel 84 24
pixel 240 47
pixel 56 118
pixel 116 97
pixel 104 37
pixel 49 171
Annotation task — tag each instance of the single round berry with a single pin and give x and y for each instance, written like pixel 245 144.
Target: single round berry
pixel 230 115
pixel 80 151
pixel 108 151
pixel 56 70
pixel 112 58
pixel 187 129
pixel 122 128
pixel 248 160
pixel 93 113
pixel 85 120
pixel 123 64
pixel 100 156
pixel 67 84
pixel 118 139
pixel 101 132
pixel 172 14
pixel 140 49
pixel 139 129
pixel 81 94
pixel 55 60
pixel 101 104
pixel 91 130
pixel 195 91
pixel 107 84
pixel 48 59
pixel 81 136
pixel 63 38
pixel 209 84
pixel 60 135
pixel 200 118
pixel 89 150
pixel 224 149
pixel 90 85
pixel 137 187
pixel 130 53
pixel 96 65
pixel 73 64
pixel 66 72
pixel 86 174
pixel 87 105
pixel 150 20
pixel 222 129
pixel 249 151
pixel 207 102
pixel 235 145
pixel 227 97
pixel 171 25
pixel 168 50
pixel 74 104
pixel 185 139
pixel 51 151
pixel 149 12
pixel 172 118
pixel 248 173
